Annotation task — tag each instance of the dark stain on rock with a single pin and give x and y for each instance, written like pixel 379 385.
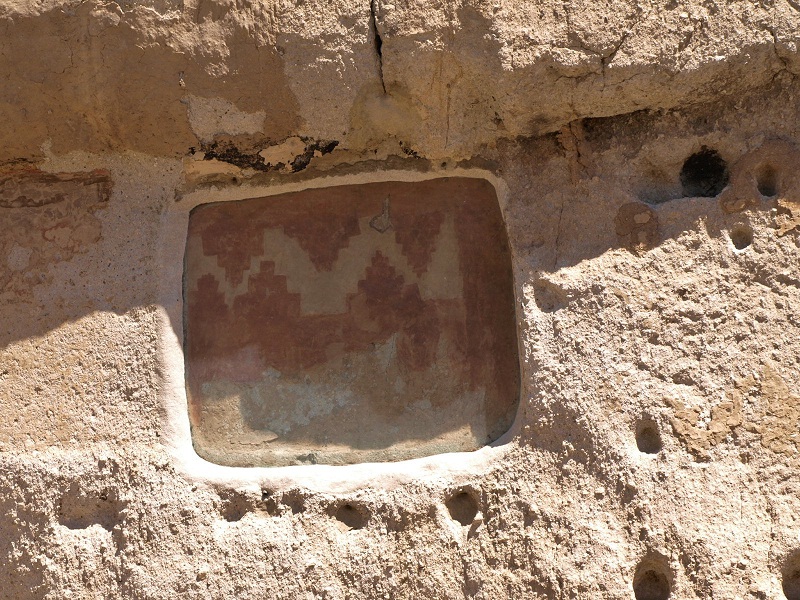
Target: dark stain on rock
pixel 248 157
pixel 28 188
pixel 312 147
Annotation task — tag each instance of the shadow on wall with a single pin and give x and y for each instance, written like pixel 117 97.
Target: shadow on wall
pixel 762 179
pixel 51 219
pixel 713 194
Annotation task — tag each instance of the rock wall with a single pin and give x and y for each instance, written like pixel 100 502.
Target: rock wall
pixel 644 158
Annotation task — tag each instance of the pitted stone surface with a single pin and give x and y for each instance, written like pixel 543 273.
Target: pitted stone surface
pixel 655 448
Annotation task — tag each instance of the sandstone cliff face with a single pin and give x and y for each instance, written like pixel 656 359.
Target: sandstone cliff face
pixel 645 159
pixel 443 79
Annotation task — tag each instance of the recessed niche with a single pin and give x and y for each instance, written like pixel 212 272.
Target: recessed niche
pixel 648 439
pixel 767 181
pixel 350 324
pixel 462 507
pixel 351 517
pixel 651 581
pixel 741 236
pixel 704 173
pixel 791 577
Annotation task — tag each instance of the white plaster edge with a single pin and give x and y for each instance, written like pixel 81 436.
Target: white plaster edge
pixel 176 433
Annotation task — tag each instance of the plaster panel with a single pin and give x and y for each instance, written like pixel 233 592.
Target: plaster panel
pixel 355 323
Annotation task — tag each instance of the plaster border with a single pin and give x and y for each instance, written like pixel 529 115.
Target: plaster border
pixel 176 433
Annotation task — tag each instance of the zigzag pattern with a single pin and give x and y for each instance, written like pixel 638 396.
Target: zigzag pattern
pixel 325 292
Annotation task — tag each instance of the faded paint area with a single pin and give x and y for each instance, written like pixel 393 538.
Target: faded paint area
pixel 636 226
pixel 780 424
pixel 355 323
pixel 775 419
pixel 46 218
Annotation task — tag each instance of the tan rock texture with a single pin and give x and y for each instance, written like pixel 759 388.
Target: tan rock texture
pixel 644 156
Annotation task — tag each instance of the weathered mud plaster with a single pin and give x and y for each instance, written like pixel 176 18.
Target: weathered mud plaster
pixel 655 443
pixel 449 79
pixel 655 451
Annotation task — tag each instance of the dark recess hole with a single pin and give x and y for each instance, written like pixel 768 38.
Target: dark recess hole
pixel 791 585
pixel 767 181
pixel 650 584
pixel 351 516
pixel 791 578
pixel 704 174
pixel 741 237
pixel 462 507
pixel 235 506
pixel 648 439
pixel 295 501
pixel 378 43
pixel 80 509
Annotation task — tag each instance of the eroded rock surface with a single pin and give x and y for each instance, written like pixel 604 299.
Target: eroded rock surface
pixel 645 159
pixel 443 80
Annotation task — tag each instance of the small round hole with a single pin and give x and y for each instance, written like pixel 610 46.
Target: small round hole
pixel 791 578
pixel 767 181
pixel 741 237
pixel 650 583
pixel 648 440
pixel 704 174
pixel 462 507
pixel 235 505
pixel 350 516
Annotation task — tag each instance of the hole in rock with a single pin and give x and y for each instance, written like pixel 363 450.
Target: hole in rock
pixel 549 297
pixel 295 501
pixel 462 507
pixel 651 583
pixel 767 181
pixel 704 174
pixel 648 439
pixel 741 236
pixel 791 577
pixel 80 509
pixel 349 324
pixel 351 516
pixel 235 505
